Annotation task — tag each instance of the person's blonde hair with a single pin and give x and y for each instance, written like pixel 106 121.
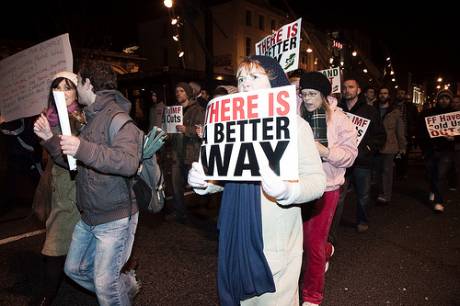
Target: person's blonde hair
pixel 248 64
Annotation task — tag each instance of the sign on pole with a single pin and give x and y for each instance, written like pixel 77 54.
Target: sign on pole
pixel 283 45
pixel 443 125
pixel 333 75
pixel 172 118
pixel 247 129
pixel 361 124
pixel 25 77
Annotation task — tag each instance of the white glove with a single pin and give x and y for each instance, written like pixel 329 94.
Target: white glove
pixel 273 185
pixel 196 176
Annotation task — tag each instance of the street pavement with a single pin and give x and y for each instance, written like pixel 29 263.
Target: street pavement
pixel 409 256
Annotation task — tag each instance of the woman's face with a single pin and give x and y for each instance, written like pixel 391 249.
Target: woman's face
pixel 69 92
pixel 252 79
pixel 311 99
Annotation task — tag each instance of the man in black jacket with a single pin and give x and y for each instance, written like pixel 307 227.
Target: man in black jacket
pixel 359 175
pixel 438 152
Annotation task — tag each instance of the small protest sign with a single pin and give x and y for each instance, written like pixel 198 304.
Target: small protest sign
pixel 333 75
pixel 172 117
pixel 283 45
pixel 443 125
pixel 361 124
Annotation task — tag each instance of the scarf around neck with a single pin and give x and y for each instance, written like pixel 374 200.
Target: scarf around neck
pixel 318 123
pixel 243 271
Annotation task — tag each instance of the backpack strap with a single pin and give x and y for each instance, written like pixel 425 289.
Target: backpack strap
pixel 118 121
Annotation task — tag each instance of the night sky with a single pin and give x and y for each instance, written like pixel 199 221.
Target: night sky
pixel 423 41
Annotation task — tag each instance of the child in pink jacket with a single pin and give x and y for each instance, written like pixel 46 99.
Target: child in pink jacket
pixel 335 139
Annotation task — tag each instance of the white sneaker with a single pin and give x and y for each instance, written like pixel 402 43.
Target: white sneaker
pixel 326 266
pixel 309 304
pixel 438 208
pixel 431 197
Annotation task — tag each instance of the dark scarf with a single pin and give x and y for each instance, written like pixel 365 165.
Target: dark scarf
pixel 243 271
pixel 318 123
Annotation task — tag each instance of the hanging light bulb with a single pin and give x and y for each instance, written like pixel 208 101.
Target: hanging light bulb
pixel 174 21
pixel 181 53
pixel 392 72
pixel 439 79
pixel 176 37
pixel 388 59
pixel 438 87
pixel 365 70
pixel 331 60
pixel 354 53
pixel 168 3
pixel 396 86
pixel 393 80
pixel 342 63
pixel 309 50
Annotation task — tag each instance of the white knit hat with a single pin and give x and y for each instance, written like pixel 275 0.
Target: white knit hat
pixel 68 75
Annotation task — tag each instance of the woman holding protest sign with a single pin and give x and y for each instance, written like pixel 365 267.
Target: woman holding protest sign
pixel 60 190
pixel 260 232
pixel 335 139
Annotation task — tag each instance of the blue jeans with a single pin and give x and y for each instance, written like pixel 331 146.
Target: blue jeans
pixel 438 165
pixel 96 256
pixel 179 175
pixel 361 181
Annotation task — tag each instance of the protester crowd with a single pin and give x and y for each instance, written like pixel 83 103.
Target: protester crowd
pixel 269 230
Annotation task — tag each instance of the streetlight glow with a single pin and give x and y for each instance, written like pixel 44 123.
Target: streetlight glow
pixel 168 3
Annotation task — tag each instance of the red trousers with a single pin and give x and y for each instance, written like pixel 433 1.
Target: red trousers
pixel 315 246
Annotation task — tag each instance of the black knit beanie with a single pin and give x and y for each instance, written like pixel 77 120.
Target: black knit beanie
pixel 188 89
pixel 316 80
pixel 277 76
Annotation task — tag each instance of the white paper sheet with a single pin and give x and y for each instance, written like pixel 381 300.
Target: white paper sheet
pixel 61 106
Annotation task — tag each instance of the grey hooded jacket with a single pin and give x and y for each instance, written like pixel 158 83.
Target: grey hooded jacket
pixel 102 192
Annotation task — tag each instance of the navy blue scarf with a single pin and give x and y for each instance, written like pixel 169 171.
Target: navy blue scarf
pixel 243 271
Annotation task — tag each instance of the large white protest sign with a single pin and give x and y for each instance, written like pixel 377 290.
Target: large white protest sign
pixel 172 118
pixel 443 125
pixel 245 130
pixel 361 124
pixel 283 45
pixel 25 77
pixel 333 75
pixel 61 107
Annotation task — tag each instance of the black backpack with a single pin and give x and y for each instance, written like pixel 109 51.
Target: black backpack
pixel 148 182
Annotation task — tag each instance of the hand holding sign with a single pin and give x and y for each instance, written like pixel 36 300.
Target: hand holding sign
pixel 196 176
pixel 69 145
pixel 272 184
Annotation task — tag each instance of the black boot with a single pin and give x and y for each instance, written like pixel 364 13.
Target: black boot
pixel 53 274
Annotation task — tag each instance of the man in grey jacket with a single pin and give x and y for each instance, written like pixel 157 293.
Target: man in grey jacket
pixel 102 240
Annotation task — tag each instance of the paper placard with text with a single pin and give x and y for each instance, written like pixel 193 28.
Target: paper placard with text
pixel 333 75
pixel 361 124
pixel 283 45
pixel 25 77
pixel 246 129
pixel 443 125
pixel 172 117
